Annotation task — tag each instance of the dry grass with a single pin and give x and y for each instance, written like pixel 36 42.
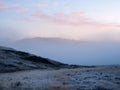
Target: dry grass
pixel 66 79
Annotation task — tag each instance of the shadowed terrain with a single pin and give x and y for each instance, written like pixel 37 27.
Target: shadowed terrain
pixel 13 60
pixel 23 71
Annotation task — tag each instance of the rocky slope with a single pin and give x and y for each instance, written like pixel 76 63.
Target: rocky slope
pixel 13 60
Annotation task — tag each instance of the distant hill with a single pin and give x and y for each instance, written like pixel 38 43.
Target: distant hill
pixel 48 41
pixel 54 48
pixel 71 51
pixel 13 60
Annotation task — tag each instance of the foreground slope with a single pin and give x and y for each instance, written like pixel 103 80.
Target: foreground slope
pixel 13 60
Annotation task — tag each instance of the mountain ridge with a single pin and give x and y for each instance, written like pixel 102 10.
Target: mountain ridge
pixel 50 40
pixel 13 60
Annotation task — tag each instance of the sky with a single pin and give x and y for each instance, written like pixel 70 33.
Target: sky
pixel 89 20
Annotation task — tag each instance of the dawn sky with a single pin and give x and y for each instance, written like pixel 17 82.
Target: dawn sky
pixel 72 19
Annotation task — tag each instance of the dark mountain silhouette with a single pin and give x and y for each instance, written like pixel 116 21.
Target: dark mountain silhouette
pixel 13 60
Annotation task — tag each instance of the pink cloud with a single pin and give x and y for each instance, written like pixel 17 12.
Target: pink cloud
pixel 23 10
pixel 4 6
pixel 43 4
pixel 78 14
pixel 41 15
pixel 46 3
pixel 55 2
pixel 75 19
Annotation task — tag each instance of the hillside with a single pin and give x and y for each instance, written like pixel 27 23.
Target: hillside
pixel 13 60
pixel 71 51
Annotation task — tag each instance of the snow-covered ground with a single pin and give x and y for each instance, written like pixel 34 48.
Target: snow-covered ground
pixel 99 78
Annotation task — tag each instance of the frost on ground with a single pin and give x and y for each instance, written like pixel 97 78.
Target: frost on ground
pixel 99 78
